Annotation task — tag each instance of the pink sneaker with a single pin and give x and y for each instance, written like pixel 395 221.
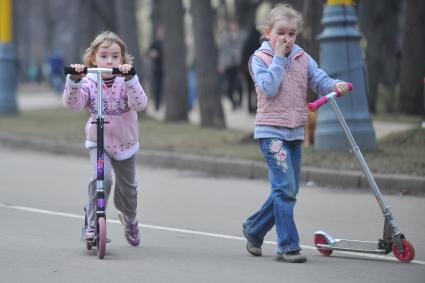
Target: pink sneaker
pixel 131 231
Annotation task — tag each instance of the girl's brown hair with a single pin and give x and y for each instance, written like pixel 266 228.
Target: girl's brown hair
pixel 108 37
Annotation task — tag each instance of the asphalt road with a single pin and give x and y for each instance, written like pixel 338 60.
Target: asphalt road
pixel 191 229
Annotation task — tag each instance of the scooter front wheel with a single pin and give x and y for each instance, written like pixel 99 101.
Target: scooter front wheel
pixel 101 237
pixel 321 239
pixel 408 253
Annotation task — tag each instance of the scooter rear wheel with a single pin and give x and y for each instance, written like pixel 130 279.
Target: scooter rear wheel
pixel 101 237
pixel 320 239
pixel 408 253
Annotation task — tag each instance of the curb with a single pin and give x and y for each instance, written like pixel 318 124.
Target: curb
pixel 220 166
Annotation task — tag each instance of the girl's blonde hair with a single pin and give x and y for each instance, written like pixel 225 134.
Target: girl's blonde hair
pixel 284 11
pixel 108 37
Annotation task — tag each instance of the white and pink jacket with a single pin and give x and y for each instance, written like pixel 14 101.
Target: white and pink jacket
pixel 121 102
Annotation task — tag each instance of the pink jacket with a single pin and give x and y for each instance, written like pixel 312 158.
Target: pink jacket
pixel 121 103
pixel 288 107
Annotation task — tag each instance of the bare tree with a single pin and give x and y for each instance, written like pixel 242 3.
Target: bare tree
pixel 127 28
pixel 245 12
pixel 31 35
pixel 155 16
pixel 68 27
pixel 175 84
pixel 413 58
pixel 21 34
pixel 379 20
pixel 64 31
pixel 212 114
pixel 312 14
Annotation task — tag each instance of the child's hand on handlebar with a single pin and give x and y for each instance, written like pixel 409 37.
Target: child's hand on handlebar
pixel 124 69
pixel 80 69
pixel 342 88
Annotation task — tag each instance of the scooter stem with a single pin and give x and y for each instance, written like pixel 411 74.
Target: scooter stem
pixel 386 210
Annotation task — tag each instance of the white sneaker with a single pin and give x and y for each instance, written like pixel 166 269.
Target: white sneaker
pixel 89 233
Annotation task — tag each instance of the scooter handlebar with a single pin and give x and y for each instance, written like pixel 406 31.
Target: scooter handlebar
pixel 312 106
pixel 114 71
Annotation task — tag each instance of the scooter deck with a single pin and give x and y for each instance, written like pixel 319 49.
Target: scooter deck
pixel 91 241
pixel 94 241
pixel 354 246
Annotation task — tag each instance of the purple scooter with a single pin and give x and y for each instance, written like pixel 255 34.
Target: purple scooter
pixel 99 239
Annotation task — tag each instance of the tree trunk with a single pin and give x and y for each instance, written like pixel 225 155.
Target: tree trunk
pixel 211 110
pixel 245 13
pixel 127 29
pixel 95 16
pixel 31 35
pixel 380 27
pixel 21 34
pixel 156 17
pixel 374 39
pixel 175 83
pixel 64 34
pixel 413 60
pixel 312 14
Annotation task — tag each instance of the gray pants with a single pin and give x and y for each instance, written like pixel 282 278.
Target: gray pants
pixel 125 192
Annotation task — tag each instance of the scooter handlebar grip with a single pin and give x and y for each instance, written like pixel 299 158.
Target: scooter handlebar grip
pixel 116 71
pixel 312 106
pixel 72 71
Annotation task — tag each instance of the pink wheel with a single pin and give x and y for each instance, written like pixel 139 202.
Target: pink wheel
pixel 101 237
pixel 320 239
pixel 408 253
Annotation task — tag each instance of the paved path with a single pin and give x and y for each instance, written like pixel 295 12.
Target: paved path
pixel 190 229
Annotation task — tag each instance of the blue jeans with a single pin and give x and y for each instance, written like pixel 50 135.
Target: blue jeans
pixel 284 166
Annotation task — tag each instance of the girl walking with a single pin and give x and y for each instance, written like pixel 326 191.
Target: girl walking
pixel 282 71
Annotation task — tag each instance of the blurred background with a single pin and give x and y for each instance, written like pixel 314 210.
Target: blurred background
pixel 191 57
pixel 48 34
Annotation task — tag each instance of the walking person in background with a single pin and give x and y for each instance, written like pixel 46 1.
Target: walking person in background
pixel 282 71
pixel 56 65
pixel 229 61
pixel 123 98
pixel 155 53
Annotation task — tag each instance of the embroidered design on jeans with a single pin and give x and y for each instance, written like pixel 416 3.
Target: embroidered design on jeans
pixel 279 153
